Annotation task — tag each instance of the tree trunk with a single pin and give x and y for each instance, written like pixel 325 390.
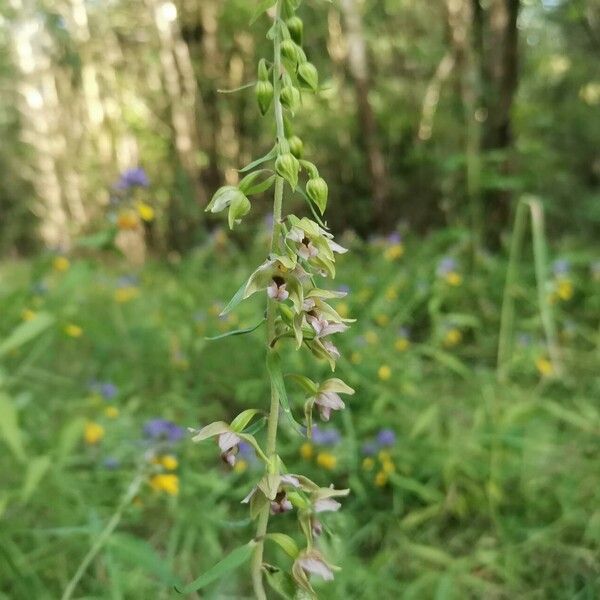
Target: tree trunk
pixel 498 39
pixel 358 67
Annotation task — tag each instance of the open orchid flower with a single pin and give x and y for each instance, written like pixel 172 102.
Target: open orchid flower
pixel 326 398
pixel 308 563
pixel 229 436
pixel 277 289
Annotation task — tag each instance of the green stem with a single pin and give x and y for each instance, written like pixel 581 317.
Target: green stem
pixel 271 448
pixel 129 495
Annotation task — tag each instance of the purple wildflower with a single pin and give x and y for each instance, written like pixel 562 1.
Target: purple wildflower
pixel 111 463
pixel 162 429
pixel 325 437
pixel 446 265
pixel 131 178
pixel 369 448
pixel 386 437
pixel 108 390
pixel 394 238
pixel 561 267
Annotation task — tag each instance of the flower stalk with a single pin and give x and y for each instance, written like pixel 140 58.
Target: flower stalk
pixel 298 311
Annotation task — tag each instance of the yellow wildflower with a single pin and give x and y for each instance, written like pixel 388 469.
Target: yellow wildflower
pixel 381 479
pixel 388 467
pixel 391 293
pixel 326 460
pixel 382 319
pixel 384 456
pixel 111 412
pixel 343 310
pixel 452 337
pixel 145 211
pixel 364 294
pixel 165 482
pixel 28 315
pixel 371 337
pixel 93 433
pixel 356 358
pixel 240 466
pixel 384 372
pixel 544 366
pixel 61 264
pixel 306 451
pixel 127 220
pixel 368 463
pixel 394 252
pixel 402 344
pixel 73 330
pixel 169 462
pixel 564 289
pixel 453 278
pixel 126 293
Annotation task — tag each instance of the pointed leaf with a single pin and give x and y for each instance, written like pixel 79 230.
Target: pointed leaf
pixel 237 298
pixel 272 153
pixel 232 561
pixel 285 542
pixel 235 332
pixel 25 332
pixel 274 368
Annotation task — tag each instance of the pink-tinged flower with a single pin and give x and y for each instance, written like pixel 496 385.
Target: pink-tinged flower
pixel 326 505
pixel 323 327
pixel 331 349
pixel 278 290
pixel 281 504
pixel 309 563
pixel 229 446
pixel 327 398
pixel 328 401
pixel 316 527
pixel 316 566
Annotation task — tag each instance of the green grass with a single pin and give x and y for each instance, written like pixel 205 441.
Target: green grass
pixel 495 491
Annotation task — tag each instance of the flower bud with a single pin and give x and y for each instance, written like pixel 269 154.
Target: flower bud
pixel 264 95
pixel 317 191
pixel 296 146
pixel 295 27
pixel 263 71
pixel 290 97
pixel 288 51
pixel 239 207
pixel 308 74
pixel 287 166
pixel 223 198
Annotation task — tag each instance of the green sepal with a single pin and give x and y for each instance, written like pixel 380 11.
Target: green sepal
pixel 285 542
pixel 239 423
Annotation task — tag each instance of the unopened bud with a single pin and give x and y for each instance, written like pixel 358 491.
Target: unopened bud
pixel 295 27
pixel 308 74
pixel 287 166
pixel 296 146
pixel 288 51
pixel 238 208
pixel 317 191
pixel 290 97
pixel 263 71
pixel 264 95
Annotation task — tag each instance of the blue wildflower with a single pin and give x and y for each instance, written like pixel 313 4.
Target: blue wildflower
pixel 325 437
pixel 111 463
pixel 446 265
pixel 131 178
pixel 561 267
pixel 369 448
pixel 386 437
pixel 162 429
pixel 108 390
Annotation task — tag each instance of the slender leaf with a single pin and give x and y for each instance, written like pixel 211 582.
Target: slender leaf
pixel 235 332
pixel 232 561
pixel 274 368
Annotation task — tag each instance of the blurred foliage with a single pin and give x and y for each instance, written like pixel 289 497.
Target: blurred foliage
pixel 95 88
